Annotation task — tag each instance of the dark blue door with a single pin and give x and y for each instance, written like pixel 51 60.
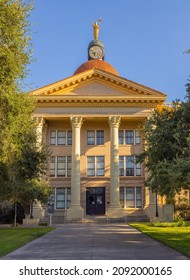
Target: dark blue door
pixel 95 201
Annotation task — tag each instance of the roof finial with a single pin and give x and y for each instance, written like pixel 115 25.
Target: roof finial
pixel 96 28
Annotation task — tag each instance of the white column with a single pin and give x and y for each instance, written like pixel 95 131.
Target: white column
pixel 114 211
pixel 114 123
pixel 75 211
pixel 38 210
pixel 39 130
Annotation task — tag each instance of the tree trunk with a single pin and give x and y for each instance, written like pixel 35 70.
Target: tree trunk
pixel 31 209
pixel 15 214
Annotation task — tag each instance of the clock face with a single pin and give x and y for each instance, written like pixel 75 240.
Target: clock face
pixel 96 52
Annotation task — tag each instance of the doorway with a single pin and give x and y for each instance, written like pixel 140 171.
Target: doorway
pixel 95 201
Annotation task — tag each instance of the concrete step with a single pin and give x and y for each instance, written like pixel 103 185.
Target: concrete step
pixel 95 219
pixel 58 220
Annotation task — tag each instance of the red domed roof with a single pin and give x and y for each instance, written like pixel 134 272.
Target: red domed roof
pixel 96 64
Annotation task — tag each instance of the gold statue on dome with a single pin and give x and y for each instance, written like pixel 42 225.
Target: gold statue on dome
pixel 96 27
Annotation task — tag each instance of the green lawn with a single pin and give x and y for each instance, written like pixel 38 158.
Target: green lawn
pixel 13 238
pixel 177 238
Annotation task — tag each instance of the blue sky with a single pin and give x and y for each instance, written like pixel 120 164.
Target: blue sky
pixel 144 40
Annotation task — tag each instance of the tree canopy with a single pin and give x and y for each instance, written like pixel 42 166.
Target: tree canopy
pixel 15 43
pixel 167 147
pixel 21 159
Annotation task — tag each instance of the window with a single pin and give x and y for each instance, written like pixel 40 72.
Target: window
pixel 121 137
pixel 95 137
pixel 129 137
pixel 137 137
pixel 52 137
pixel 138 169
pixel 52 166
pixel 121 166
pixel 61 137
pixel 69 137
pixel 131 197
pixel 90 166
pixel 69 166
pixel 100 166
pixel 100 137
pixel 138 197
pixel 95 166
pixel 63 198
pixel 90 137
pixel 60 166
pixel 128 167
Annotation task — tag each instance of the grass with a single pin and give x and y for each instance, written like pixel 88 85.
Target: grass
pixel 177 238
pixel 13 238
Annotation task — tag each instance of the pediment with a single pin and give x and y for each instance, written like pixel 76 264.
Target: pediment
pixel 97 83
pixel 94 88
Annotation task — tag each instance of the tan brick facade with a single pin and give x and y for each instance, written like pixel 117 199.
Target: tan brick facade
pixel 94 150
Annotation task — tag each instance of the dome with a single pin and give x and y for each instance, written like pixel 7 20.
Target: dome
pixel 96 43
pixel 96 64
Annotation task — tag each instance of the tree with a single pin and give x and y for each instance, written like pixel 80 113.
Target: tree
pixel 15 43
pixel 21 159
pixel 167 149
pixel 15 54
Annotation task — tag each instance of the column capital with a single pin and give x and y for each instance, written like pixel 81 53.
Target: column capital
pixel 114 121
pixel 76 122
pixel 39 121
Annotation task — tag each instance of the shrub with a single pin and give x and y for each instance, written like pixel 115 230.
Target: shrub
pixel 179 222
pixel 43 224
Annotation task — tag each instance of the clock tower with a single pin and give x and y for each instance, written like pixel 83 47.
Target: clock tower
pixel 96 47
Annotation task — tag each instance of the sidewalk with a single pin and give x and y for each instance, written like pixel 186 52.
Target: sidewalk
pixel 95 242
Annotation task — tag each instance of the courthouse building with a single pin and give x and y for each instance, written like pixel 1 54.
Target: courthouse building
pixel 91 122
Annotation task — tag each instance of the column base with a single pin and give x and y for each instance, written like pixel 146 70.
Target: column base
pixel 75 212
pixel 31 222
pixel 165 212
pixel 115 212
pixel 38 211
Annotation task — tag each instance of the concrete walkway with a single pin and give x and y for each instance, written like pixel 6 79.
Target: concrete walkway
pixel 95 242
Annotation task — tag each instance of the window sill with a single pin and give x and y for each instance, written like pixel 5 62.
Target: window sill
pixel 101 145
pixel 133 208
pixel 124 145
pixel 59 145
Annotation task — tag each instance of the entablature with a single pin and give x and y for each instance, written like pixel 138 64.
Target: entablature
pixel 103 101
